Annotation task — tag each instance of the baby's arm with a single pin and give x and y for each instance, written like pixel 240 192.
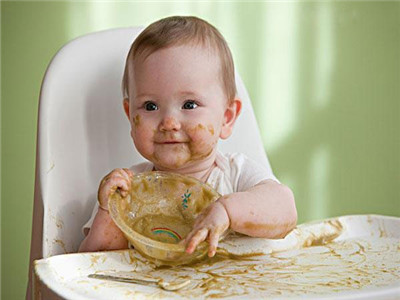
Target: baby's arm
pixel 265 210
pixel 104 234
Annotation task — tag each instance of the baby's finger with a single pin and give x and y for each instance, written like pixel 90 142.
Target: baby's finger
pixel 190 235
pixel 109 185
pixel 129 172
pixel 116 183
pixel 213 243
pixel 200 236
pixel 195 229
pixel 123 174
pixel 113 175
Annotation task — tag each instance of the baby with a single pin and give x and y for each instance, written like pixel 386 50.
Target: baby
pixel 180 99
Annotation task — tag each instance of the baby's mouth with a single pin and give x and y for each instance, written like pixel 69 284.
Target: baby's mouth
pixel 170 139
pixel 170 142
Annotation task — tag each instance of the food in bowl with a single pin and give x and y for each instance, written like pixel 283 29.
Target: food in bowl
pixel 159 212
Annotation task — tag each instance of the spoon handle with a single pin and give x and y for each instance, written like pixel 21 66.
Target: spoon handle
pixel 124 279
pixel 169 286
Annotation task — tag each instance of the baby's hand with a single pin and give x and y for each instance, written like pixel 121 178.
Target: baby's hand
pixel 118 179
pixel 210 224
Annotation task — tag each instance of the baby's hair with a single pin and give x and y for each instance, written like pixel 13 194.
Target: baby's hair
pixel 177 31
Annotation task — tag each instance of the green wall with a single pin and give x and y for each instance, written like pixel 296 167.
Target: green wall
pixel 323 78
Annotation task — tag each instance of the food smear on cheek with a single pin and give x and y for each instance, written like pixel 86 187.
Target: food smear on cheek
pixel 200 127
pixel 136 120
pixel 210 129
pixel 135 124
pixel 201 142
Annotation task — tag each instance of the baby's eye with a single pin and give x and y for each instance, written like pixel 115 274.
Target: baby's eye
pixel 148 105
pixel 190 104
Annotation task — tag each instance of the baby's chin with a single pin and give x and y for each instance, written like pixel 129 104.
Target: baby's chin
pixel 171 161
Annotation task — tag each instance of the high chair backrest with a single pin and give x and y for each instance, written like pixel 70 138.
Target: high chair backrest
pixel 83 134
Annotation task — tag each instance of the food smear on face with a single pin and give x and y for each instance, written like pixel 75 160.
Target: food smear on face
pixel 202 141
pixel 210 129
pixel 136 120
pixel 198 144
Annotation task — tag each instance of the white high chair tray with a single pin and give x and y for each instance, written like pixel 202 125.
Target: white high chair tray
pixel 349 257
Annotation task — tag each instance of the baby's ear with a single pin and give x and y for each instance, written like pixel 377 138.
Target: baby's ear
pixel 231 113
pixel 125 103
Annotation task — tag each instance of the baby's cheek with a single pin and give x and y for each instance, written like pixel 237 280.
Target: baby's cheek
pixel 201 132
pixel 202 140
pixel 142 136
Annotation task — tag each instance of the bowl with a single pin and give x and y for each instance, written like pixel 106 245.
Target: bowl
pixel 159 212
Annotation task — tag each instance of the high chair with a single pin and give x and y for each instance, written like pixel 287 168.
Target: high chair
pixel 83 134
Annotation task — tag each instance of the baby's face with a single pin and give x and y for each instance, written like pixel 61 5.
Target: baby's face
pixel 177 106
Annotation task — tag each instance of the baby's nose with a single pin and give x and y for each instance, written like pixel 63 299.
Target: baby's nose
pixel 170 123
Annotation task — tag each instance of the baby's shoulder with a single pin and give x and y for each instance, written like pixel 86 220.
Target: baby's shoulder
pixel 234 159
pixel 239 164
pixel 244 172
